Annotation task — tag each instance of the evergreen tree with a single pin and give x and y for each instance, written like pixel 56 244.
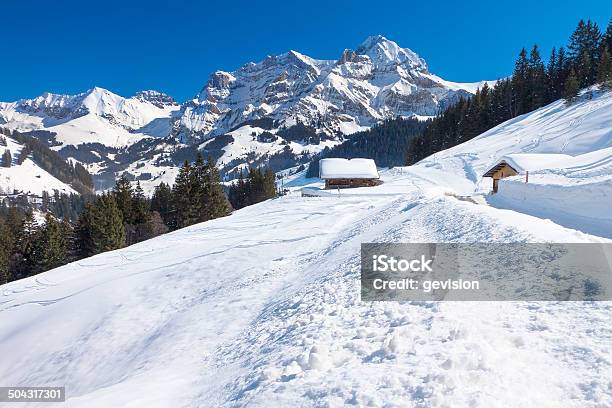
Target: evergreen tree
pixel 24 247
pixel 142 227
pixel 6 250
pixel 552 88
pixel 258 186
pixel 215 202
pixel 520 84
pixel 572 86
pixel 161 202
pixel 23 155
pixel 537 79
pixel 50 246
pixel 107 230
pixel 563 67
pixel 7 159
pixel 198 197
pixel 84 238
pixel 68 232
pixel 604 69
pixel 184 193
pixel 45 201
pixel 607 37
pixel 139 206
pixel 123 197
pixel 584 52
pixel 269 184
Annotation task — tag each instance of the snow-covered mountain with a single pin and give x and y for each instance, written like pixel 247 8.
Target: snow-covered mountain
pixel 280 111
pixel 26 177
pixel 262 308
pixel 377 81
pixel 96 116
pixel 97 128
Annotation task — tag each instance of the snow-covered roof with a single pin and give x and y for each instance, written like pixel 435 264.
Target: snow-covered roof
pixel 522 162
pixel 347 168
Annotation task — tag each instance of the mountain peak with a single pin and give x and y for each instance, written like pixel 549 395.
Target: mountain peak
pixel 156 98
pixel 384 52
pixel 373 40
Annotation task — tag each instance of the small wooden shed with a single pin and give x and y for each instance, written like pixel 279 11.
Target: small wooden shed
pixel 500 171
pixel 348 173
pixel 522 163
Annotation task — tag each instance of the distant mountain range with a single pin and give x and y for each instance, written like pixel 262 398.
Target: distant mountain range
pixel 279 112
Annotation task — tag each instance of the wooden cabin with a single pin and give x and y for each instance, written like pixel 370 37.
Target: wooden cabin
pixel 348 173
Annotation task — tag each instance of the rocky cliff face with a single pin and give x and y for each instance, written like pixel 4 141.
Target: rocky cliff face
pixel 376 81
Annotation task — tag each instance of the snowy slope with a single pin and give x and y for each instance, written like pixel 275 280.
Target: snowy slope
pixel 574 190
pixel 583 127
pixel 27 177
pixel 262 308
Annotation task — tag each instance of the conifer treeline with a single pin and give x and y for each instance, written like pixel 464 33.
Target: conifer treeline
pixel 197 196
pixel 256 187
pixel 531 86
pixel 385 143
pixel 121 217
pixel 27 248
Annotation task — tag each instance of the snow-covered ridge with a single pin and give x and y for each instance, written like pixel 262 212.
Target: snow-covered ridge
pixel 27 177
pixel 95 116
pixel 378 80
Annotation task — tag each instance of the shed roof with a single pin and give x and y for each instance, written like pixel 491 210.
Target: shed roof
pixel 522 162
pixel 347 168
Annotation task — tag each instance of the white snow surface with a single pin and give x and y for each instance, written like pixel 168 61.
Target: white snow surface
pixel 345 168
pixel 522 162
pixel 262 308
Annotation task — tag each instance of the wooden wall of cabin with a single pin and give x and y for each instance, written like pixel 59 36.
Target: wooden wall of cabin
pixel 350 183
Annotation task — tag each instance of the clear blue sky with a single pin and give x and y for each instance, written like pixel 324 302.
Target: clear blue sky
pixel 129 45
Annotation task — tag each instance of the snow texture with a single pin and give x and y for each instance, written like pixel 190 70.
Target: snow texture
pixel 345 168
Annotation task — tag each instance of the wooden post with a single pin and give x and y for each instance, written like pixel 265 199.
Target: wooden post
pixel 527 176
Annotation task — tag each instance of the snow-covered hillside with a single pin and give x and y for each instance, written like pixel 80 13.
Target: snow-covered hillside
pixel 26 177
pixel 103 131
pixel 575 191
pixel 262 308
